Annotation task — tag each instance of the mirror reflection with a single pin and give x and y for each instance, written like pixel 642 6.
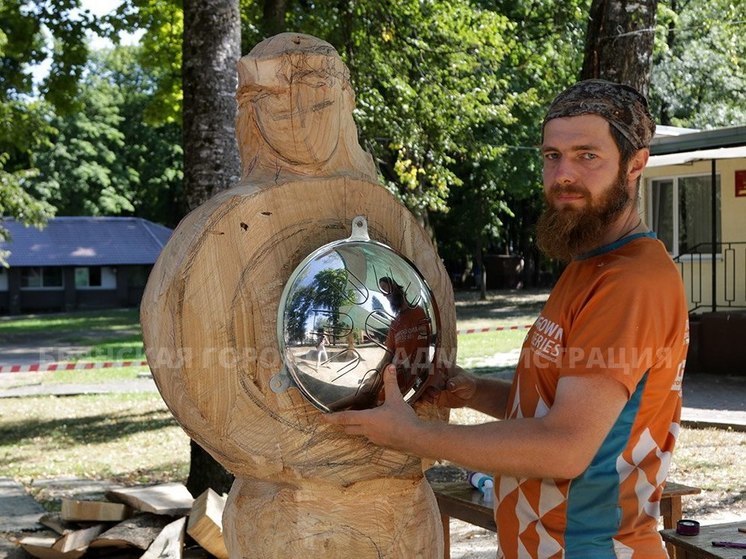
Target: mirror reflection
pixel 348 310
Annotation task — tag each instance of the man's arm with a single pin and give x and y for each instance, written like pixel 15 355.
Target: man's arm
pixel 559 445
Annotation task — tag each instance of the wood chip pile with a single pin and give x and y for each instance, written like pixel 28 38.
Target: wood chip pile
pixel 157 522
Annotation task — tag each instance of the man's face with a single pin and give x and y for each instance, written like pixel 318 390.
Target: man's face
pixel 585 188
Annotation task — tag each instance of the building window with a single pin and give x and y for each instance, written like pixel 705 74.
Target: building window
pixel 95 277
pixel 41 278
pixel 681 213
pixel 88 277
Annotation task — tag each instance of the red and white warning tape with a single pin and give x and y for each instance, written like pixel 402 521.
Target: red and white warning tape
pixel 76 366
pixel 492 329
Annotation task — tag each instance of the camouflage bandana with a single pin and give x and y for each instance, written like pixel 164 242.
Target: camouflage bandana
pixel 622 106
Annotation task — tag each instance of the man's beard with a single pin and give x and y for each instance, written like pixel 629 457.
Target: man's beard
pixel 568 232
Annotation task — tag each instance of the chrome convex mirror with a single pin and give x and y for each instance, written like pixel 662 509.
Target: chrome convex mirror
pixel 349 309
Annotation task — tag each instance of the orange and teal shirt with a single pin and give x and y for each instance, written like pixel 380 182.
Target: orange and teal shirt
pixel 618 311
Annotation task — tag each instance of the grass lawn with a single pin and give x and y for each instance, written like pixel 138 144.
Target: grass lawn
pixel 475 349
pixel 125 437
pixel 81 321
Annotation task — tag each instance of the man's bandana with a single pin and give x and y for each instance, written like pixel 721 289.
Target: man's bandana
pixel 622 106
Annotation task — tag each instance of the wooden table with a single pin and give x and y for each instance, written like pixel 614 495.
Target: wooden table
pixel 700 546
pixel 458 499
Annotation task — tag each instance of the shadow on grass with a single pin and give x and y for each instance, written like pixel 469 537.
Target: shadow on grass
pixel 500 304
pixel 93 429
pixel 70 322
pixel 505 373
pixel 729 500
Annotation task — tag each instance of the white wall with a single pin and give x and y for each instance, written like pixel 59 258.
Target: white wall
pixel 730 263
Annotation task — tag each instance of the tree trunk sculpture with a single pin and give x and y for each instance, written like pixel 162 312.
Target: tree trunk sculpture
pixel 209 312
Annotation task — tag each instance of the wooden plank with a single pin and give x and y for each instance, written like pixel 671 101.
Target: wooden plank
pixel 137 532
pixel 672 488
pixel 43 548
pixel 171 499
pixel 54 521
pixel 170 542
pixel 206 523
pixel 93 511
pixel 700 546
pixel 78 539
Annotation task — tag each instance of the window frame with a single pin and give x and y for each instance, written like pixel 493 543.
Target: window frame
pixel 88 285
pixel 675 192
pixel 43 287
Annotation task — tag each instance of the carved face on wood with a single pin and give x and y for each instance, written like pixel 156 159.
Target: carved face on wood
pixel 295 111
pixel 300 119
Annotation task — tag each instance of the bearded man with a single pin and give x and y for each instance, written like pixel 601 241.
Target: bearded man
pixel 589 422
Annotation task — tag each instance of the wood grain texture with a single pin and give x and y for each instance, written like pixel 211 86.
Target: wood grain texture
pixel 137 532
pixel 93 511
pixel 205 524
pixel 380 519
pixel 167 498
pixel 209 324
pixel 169 544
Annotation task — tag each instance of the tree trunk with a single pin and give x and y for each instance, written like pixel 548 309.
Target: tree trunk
pixel 273 16
pixel 619 42
pixel 482 279
pixel 211 49
pixel 664 116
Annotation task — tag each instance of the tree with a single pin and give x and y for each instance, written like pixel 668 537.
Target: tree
pixel 81 173
pixel 699 68
pixel 449 96
pixel 495 209
pixel 24 125
pixel 619 42
pixel 211 48
pixel 107 159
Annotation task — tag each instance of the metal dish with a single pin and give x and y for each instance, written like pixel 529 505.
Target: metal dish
pixel 349 309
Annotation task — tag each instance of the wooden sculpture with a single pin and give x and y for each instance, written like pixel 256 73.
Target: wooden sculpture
pixel 302 489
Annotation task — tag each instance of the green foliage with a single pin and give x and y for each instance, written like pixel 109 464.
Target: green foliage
pixel 23 27
pixel 106 159
pixel 450 96
pixel 81 173
pixel 24 123
pixel 162 22
pixel 497 206
pixel 699 70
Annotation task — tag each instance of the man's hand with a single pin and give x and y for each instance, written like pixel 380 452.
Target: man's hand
pixel 393 424
pixel 455 389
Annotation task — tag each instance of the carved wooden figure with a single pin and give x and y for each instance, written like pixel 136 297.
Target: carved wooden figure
pixel 209 317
